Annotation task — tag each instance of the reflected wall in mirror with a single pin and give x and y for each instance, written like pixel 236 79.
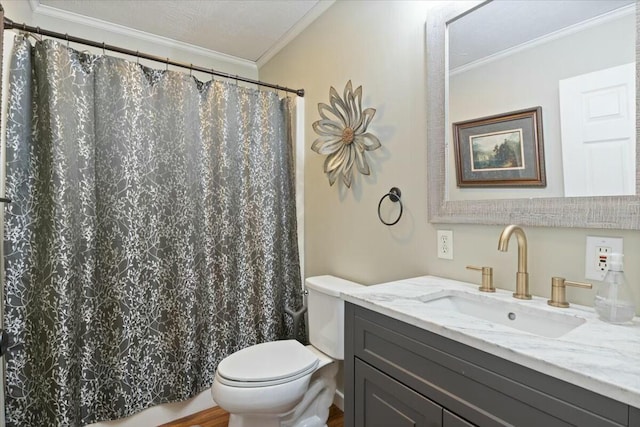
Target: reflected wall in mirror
pixel 575 59
pixel 481 94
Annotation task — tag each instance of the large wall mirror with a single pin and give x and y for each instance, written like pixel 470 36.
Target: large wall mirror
pixel 576 61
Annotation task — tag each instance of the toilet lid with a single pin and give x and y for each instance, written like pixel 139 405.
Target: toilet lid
pixel 268 362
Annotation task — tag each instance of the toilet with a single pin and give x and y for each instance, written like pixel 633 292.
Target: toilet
pixel 284 383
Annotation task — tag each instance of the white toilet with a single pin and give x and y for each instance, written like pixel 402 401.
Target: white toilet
pixel 284 383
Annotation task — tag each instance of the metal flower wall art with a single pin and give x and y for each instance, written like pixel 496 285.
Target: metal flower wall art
pixel 343 134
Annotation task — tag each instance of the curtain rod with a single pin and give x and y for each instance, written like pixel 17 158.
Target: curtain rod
pixel 9 24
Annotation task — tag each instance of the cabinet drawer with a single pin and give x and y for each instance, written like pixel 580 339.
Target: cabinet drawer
pixel 383 402
pixel 483 389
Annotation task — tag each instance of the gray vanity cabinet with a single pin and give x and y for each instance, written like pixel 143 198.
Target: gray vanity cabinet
pixel 383 401
pixel 452 420
pixel 399 375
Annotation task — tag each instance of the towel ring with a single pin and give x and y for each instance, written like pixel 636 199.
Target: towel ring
pixel 393 195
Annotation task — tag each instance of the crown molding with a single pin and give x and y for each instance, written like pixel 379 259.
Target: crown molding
pixel 44 10
pixel 313 14
pixel 581 26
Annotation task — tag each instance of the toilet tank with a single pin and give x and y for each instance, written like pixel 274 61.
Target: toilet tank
pixel 326 313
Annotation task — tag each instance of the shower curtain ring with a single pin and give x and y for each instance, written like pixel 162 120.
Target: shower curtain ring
pixel 103 51
pixel 190 70
pixel 66 37
pixel 138 57
pixel 166 64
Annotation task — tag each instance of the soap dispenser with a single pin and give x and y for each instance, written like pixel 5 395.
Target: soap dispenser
pixel 613 302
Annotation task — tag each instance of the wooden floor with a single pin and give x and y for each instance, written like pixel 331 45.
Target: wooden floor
pixel 216 417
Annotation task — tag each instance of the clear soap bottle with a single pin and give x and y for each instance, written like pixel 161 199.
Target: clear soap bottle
pixel 614 302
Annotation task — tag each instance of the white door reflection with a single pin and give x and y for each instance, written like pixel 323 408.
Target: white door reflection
pixel 597 119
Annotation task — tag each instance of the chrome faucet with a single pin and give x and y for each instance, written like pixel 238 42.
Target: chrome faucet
pixel 522 276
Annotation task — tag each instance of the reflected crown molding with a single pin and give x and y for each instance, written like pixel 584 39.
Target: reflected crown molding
pixel 613 212
pixel 593 22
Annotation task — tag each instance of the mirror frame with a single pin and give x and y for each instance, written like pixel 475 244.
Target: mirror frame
pixel 610 212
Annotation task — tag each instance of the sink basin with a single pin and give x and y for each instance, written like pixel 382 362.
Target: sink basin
pixel 521 317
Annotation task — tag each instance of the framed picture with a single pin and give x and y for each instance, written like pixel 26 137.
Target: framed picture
pixel 506 150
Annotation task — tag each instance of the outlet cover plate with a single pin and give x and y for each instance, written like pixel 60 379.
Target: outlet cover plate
pixel 445 244
pixel 592 269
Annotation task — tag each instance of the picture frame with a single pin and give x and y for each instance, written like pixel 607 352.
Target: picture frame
pixel 504 150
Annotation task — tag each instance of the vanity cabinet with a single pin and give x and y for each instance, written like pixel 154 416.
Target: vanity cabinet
pixel 397 374
pixel 385 402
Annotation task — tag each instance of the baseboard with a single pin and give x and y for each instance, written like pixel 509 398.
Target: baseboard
pixel 161 414
pixel 338 400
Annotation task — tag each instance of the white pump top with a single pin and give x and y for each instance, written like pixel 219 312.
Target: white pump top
pixel 615 262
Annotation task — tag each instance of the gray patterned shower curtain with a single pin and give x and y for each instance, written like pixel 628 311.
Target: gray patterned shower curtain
pixel 152 232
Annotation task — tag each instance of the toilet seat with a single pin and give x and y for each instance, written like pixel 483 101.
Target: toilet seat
pixel 267 364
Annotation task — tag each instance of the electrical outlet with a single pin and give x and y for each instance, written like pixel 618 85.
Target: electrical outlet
pixel 602 257
pixel 445 244
pixel 596 259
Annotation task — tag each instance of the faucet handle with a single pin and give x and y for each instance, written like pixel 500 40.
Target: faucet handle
pixel 487 278
pixel 559 291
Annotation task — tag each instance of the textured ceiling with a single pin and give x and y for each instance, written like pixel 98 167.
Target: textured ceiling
pixel 502 25
pixel 249 29
pixel 244 29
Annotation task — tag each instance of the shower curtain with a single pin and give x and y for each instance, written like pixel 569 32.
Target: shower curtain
pixel 152 232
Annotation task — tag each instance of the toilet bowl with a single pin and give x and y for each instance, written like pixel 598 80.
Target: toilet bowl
pixel 284 383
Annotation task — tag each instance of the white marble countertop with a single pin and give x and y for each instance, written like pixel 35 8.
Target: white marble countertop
pixel 597 356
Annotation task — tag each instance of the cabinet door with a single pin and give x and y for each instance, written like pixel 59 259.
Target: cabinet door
pixel 380 401
pixel 451 420
pixel 634 417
